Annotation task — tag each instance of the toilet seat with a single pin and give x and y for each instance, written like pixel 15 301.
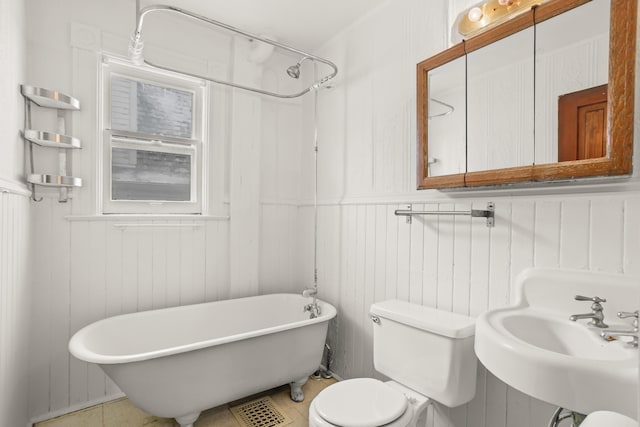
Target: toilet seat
pixel 607 418
pixel 361 402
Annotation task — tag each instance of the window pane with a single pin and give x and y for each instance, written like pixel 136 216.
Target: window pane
pixel 150 175
pixel 149 108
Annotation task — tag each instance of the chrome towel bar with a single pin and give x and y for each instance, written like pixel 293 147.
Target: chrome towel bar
pixel 488 213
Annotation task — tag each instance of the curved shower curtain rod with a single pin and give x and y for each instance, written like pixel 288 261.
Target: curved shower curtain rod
pixel 136 47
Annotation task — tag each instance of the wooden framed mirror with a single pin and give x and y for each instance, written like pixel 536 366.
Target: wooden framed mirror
pixel 534 165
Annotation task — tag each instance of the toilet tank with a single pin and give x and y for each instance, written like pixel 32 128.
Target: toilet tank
pixel 425 349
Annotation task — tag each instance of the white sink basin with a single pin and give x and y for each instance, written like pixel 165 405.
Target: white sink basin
pixel 535 348
pixel 558 336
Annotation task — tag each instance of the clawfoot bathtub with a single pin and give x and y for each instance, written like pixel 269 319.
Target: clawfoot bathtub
pixel 177 362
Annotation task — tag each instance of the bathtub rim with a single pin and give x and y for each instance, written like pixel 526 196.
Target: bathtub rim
pixel 80 351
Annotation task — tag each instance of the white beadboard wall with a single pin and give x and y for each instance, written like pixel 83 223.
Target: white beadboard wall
pixel 282 140
pixel 91 269
pixel 15 212
pixel 15 307
pixel 367 254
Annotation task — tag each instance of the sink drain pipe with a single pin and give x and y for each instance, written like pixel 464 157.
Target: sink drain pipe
pixel 562 414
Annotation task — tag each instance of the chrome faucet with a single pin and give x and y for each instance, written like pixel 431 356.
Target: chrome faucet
pixel 313 308
pixel 632 332
pixel 596 315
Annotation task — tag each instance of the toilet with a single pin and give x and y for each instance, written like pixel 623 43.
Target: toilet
pixel 608 419
pixel 428 355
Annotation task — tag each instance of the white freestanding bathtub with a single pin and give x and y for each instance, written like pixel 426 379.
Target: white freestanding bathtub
pixel 176 362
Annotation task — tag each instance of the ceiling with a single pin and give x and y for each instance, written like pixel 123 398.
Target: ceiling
pixel 304 24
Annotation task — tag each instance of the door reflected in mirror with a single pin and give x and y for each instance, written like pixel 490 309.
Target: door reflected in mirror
pixel 572 66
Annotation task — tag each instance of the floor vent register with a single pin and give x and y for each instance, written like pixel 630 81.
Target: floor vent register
pixel 262 412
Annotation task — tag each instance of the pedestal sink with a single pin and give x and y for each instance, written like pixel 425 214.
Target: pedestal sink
pixel 535 348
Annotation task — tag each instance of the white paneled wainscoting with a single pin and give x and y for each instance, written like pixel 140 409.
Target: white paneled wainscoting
pixel 97 268
pixel 92 268
pixel 15 302
pixel 367 254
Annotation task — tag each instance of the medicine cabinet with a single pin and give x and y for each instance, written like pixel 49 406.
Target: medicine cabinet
pixel 504 87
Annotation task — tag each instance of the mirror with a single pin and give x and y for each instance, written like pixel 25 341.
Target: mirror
pixel 569 65
pixel 447 119
pixel 516 124
pixel 500 100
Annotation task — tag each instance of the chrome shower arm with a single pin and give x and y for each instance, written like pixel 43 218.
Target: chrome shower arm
pixel 137 44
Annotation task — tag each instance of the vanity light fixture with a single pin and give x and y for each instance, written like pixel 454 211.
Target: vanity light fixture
pixel 490 13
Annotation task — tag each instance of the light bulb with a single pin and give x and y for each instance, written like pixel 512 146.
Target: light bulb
pixel 475 14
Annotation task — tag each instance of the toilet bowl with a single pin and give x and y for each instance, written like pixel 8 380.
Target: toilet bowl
pixel 427 354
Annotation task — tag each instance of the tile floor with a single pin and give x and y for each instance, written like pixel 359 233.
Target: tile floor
pixel 122 413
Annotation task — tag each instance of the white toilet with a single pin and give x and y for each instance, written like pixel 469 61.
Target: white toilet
pixel 608 419
pixel 427 353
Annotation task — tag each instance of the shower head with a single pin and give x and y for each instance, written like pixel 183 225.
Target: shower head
pixel 294 71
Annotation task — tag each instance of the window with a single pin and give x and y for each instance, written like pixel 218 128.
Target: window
pixel 153 141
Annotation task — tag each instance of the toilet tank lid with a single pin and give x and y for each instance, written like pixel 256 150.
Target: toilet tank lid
pixel 446 323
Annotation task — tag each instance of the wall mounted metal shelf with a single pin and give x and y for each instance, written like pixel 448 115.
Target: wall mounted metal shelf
pixel 63 103
pixel 51 139
pixel 488 213
pixel 50 98
pixel 54 180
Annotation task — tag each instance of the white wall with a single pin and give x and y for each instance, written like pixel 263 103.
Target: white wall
pixel 282 145
pixel 15 307
pixel 12 49
pixel 15 211
pixel 367 169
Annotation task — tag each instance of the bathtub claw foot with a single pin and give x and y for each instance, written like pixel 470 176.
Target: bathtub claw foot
pixel 187 420
pixel 297 395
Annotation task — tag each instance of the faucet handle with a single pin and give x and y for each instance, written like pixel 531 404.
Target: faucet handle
pixel 626 314
pixel 596 300
pixel 311 292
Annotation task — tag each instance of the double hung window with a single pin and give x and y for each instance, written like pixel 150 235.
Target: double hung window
pixel 153 142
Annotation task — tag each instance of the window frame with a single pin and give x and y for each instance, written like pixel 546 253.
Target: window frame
pixel 196 146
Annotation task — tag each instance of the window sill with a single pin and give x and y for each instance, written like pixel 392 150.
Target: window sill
pixel 147 217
